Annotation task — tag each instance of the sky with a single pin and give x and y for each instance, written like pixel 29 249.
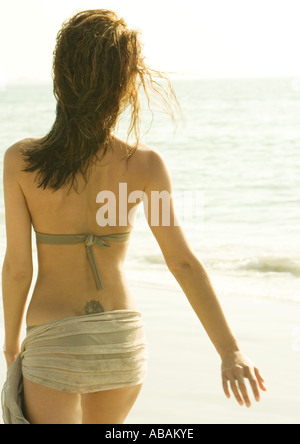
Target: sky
pixel 197 38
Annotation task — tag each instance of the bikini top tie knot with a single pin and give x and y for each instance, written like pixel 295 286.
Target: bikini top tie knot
pixel 90 240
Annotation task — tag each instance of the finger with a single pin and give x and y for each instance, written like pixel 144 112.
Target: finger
pixel 254 384
pixel 235 391
pixel 242 386
pixel 255 390
pixel 260 379
pixel 250 374
pixel 225 387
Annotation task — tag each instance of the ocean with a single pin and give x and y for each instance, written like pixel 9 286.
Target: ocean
pixel 235 166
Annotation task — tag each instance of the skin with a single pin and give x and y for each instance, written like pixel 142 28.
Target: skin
pixel 60 293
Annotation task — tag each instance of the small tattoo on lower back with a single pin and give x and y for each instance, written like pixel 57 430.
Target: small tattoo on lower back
pixel 93 307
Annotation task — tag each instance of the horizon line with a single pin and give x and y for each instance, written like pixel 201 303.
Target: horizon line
pixel 172 75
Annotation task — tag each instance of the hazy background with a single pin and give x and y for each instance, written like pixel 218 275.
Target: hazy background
pixel 214 38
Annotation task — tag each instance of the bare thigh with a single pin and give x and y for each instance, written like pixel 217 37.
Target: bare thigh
pixel 109 406
pixel 47 406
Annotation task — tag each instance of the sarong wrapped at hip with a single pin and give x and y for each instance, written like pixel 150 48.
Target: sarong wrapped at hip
pixel 83 354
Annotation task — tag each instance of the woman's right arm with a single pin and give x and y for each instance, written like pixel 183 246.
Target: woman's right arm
pixel 194 281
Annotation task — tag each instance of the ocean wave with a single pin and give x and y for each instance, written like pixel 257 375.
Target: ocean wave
pixel 271 264
pixel 262 264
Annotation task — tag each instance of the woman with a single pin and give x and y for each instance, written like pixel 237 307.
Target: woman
pixel 84 358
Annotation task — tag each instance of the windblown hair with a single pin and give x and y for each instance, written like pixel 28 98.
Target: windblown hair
pixel 98 70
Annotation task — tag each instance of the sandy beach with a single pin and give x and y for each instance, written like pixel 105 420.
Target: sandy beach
pixel 184 385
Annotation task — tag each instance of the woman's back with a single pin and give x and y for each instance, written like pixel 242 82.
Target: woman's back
pixel 65 285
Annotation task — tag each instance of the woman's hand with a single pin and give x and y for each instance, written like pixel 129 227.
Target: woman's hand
pixel 236 367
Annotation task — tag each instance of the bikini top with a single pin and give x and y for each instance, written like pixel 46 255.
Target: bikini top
pixel 90 240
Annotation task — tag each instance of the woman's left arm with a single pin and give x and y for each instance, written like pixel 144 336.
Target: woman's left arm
pixel 17 270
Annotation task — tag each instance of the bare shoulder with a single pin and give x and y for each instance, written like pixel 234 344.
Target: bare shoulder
pixel 149 154
pixel 13 161
pixel 152 168
pixel 15 150
pixel 146 164
pixel 156 169
pixel 148 159
pixel 144 155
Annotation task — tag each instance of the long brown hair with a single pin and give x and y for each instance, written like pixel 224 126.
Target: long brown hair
pixel 98 70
